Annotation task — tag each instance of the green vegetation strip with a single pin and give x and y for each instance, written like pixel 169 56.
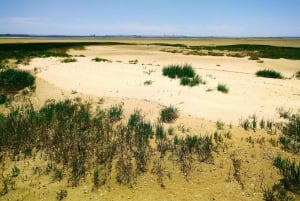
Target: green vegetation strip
pixel 20 51
pixel 254 51
pixel 269 74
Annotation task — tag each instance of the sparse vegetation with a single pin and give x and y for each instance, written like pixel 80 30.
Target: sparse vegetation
pixel 98 59
pixel 169 114
pixel 269 74
pixel 148 82
pixel 13 80
pixel 68 60
pixel 297 74
pixel 223 88
pixel 133 61
pixel 185 73
pixel 291 172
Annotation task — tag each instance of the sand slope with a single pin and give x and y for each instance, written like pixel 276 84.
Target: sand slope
pixel 248 94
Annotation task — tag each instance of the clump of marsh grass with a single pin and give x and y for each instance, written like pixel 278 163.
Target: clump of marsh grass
pixel 269 74
pixel 297 74
pixel 169 114
pixel 185 73
pixel 135 61
pixel 223 88
pixel 14 80
pixel 98 59
pixel 148 82
pixel 68 60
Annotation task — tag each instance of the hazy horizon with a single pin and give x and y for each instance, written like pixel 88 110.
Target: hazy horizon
pixel 192 18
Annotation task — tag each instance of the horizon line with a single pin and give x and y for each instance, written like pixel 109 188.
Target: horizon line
pixel 133 36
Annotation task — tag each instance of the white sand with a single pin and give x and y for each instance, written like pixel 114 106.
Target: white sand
pixel 248 94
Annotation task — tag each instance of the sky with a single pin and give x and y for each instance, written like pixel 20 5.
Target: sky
pixel 230 18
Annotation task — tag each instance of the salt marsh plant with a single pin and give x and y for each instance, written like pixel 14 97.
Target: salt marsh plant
pixel 185 73
pixel 169 114
pixel 179 71
pixel 222 88
pixel 98 59
pixel 269 74
pixel 14 80
pixel 148 82
pixel 297 74
pixel 68 60
pixel 135 61
pixel 291 172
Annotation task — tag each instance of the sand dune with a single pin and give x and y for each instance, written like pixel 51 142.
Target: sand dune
pixel 248 94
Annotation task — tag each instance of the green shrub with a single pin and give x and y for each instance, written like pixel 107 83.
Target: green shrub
pixel 269 74
pixel 291 172
pixel 169 114
pixel 133 61
pixel 115 113
pixel 13 79
pixel 3 98
pixel 173 71
pixel 68 60
pixel 148 82
pixel 297 74
pixel 97 59
pixel 58 174
pixel 222 88
pixel 60 195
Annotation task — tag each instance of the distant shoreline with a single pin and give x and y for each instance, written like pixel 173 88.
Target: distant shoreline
pixel 143 36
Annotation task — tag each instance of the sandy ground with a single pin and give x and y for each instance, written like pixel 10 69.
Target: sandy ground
pixel 247 95
pixel 290 42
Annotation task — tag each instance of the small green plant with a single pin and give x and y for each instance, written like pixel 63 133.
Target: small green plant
pixel 220 124
pixel 115 113
pixel 291 172
pixel 148 82
pixel 262 124
pixel 297 74
pixel 96 178
pixel 68 60
pixel 269 74
pixel 223 88
pixel 15 171
pixel 173 71
pixel 14 80
pixel 253 57
pixel 3 98
pixel 97 59
pixel 169 114
pixel 58 174
pixel 60 195
pixel 133 61
pixel 245 124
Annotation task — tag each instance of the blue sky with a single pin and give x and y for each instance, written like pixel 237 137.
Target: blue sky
pixel 152 17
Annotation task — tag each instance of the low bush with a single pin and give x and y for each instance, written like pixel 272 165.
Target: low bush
pixel 297 74
pixel 169 114
pixel 223 88
pixel 269 74
pixel 174 71
pixel 14 80
pixel 3 98
pixel 68 60
pixel 97 59
pixel 291 172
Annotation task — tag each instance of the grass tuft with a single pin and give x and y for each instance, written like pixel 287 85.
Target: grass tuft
pixel 68 60
pixel 269 74
pixel 169 114
pixel 12 80
pixel 97 59
pixel 223 88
